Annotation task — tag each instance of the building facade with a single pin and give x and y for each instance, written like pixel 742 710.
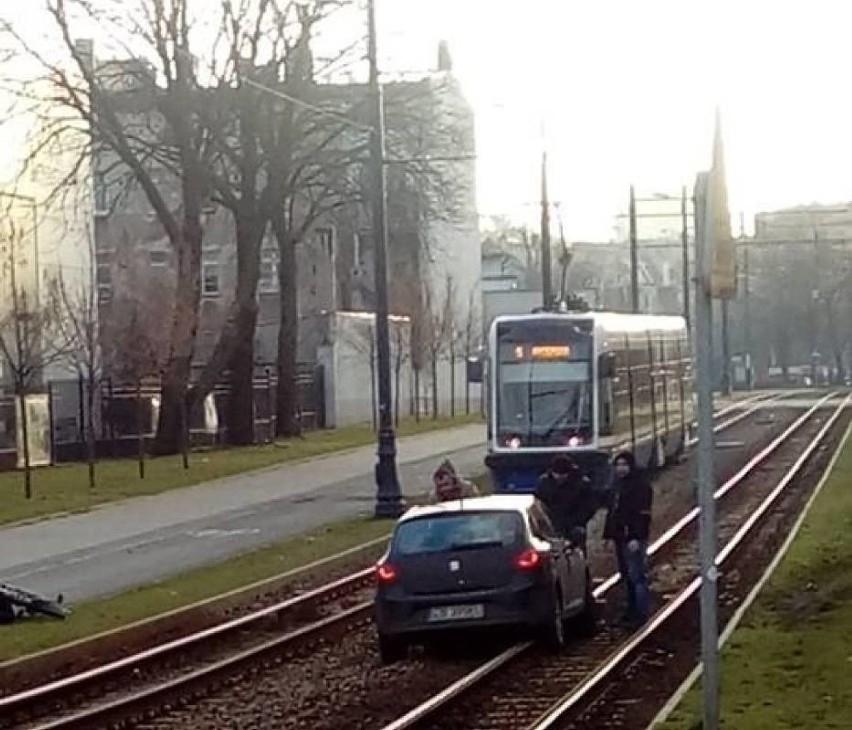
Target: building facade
pixel 433 231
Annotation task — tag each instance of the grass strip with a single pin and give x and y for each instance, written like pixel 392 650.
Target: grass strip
pixel 787 665
pixel 65 489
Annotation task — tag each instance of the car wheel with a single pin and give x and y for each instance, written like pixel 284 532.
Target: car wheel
pixel 392 649
pixel 553 630
pixel 587 619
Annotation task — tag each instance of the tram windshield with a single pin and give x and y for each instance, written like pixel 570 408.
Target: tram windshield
pixel 544 383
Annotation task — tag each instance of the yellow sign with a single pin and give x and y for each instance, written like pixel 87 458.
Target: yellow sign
pixel 550 352
pixel 721 262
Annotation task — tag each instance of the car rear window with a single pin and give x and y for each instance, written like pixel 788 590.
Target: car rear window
pixel 441 533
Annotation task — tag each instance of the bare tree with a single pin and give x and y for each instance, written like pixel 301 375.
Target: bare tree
pixel 147 135
pixel 435 334
pixel 470 340
pixel 400 355
pixel 135 347
pixel 361 337
pixel 30 335
pixel 79 324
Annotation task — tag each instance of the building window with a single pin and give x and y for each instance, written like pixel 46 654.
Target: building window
pixel 325 238
pixel 158 258
pixel 268 272
pixel 363 242
pixel 210 284
pixel 103 279
pixel 104 275
pixel 101 201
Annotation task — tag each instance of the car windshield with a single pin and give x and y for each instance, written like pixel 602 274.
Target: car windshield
pixel 470 531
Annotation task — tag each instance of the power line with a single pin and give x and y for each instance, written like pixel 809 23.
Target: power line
pixel 307 105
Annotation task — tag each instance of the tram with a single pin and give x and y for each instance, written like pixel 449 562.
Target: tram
pixel 588 384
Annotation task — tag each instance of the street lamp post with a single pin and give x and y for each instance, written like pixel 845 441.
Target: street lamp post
pixel 389 501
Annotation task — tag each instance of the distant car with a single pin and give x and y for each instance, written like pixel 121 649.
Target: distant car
pixel 475 563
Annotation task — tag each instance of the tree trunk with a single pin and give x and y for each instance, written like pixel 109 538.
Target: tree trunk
pixel 240 413
pixel 288 335
pixel 417 395
pixel 452 382
pixel 466 384
pixel 90 428
pixel 25 438
pixel 184 326
pixel 374 406
pixel 140 430
pixel 396 378
pixel 434 366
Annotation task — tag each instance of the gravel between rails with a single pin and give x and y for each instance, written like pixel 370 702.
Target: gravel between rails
pixel 343 685
pixel 17 676
pixel 634 696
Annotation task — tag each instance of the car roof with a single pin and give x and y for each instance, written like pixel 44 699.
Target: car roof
pixel 492 503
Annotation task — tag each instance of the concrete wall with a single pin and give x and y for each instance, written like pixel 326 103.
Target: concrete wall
pixel 351 393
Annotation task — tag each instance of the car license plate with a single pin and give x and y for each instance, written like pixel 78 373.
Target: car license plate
pixel 454 613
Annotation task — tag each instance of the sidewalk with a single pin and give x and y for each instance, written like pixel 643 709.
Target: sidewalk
pixel 120 545
pixel 146 538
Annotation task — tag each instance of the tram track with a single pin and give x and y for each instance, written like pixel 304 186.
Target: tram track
pixel 526 688
pixel 171 674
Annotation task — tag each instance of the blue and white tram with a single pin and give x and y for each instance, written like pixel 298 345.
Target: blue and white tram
pixel 589 384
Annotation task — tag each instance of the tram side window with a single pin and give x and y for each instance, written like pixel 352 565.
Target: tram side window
pixel 607 367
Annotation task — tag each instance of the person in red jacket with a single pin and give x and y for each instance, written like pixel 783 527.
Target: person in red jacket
pixel 628 525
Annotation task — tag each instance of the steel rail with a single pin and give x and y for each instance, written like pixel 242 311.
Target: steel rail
pixel 51 691
pixel 626 652
pixel 43 693
pixel 180 687
pixel 419 715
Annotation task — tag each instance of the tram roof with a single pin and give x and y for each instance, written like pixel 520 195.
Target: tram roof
pixel 605 321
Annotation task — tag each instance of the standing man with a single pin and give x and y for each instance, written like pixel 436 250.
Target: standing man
pixel 568 498
pixel 628 524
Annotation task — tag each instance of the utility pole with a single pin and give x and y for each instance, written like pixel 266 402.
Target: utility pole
pixel 747 313
pixel 634 255
pixel 704 459
pixel 388 496
pixel 546 268
pixel 685 244
pixel 726 349
pixel 746 304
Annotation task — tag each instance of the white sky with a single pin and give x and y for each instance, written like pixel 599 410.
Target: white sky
pixel 627 89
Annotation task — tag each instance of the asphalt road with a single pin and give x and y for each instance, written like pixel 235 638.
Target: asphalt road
pixel 123 545
pixel 109 549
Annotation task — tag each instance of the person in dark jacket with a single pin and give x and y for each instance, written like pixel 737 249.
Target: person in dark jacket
pixel 628 524
pixel 448 485
pixel 568 498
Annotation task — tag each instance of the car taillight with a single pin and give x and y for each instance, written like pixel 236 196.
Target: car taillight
pixel 528 560
pixel 386 573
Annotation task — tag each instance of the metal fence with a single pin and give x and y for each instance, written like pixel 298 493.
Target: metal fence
pixel 121 408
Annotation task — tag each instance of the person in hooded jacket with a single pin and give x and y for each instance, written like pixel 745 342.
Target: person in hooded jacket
pixel 568 498
pixel 448 485
pixel 628 524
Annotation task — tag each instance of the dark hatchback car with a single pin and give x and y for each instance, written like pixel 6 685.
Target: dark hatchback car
pixel 478 563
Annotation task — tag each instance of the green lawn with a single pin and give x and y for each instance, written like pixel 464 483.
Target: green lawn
pixel 27 637
pixel 65 488
pixel 789 663
pixel 88 619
